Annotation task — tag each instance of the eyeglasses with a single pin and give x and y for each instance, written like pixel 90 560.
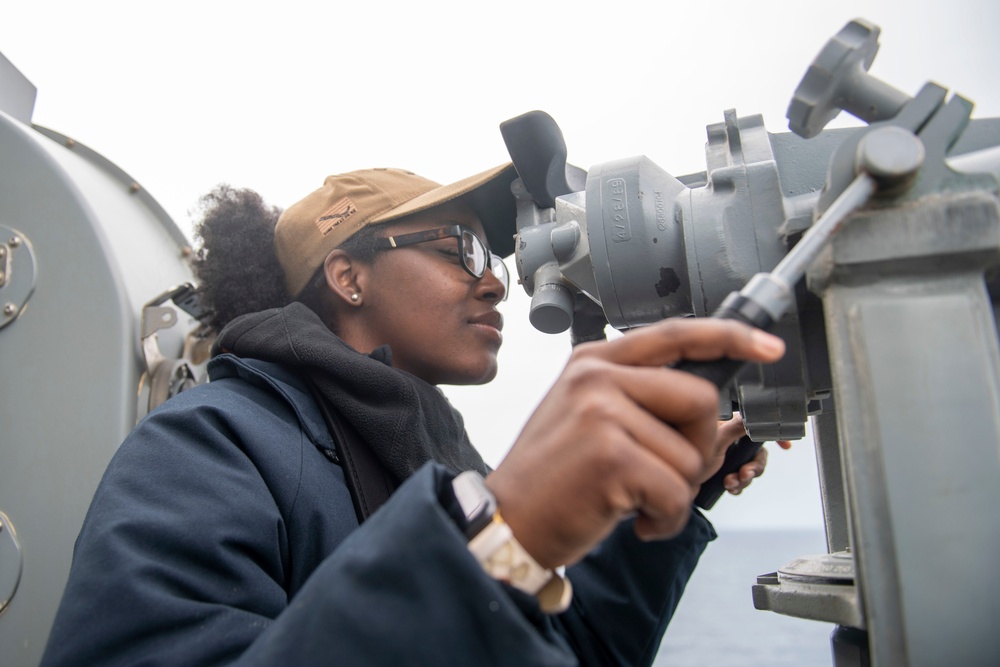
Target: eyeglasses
pixel 471 250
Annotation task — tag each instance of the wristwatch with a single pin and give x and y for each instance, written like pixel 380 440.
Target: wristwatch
pixel 493 544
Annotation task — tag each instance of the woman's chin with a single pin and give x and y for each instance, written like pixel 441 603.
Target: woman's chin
pixel 475 375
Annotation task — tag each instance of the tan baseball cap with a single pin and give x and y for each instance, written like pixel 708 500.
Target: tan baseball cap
pixel 310 229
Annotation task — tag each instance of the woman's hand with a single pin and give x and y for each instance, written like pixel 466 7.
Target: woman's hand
pixel 729 432
pixel 620 434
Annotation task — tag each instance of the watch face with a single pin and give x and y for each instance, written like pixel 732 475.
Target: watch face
pixel 477 503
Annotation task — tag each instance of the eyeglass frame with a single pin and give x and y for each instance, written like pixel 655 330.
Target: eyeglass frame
pixel 457 232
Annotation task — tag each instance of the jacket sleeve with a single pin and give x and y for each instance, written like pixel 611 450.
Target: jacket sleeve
pixel 626 591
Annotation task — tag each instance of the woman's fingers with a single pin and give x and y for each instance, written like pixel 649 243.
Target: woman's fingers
pixel 670 341
pixel 689 404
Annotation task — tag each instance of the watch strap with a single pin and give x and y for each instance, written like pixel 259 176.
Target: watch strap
pixel 504 559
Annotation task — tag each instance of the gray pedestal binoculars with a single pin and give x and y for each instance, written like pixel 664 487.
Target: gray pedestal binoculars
pixel 874 253
pixel 627 243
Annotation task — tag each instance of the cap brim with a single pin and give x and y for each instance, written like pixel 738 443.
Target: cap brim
pixel 489 195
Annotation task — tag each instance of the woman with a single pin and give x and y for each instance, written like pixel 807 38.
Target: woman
pixel 224 530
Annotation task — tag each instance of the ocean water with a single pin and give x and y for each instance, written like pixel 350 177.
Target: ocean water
pixel 716 623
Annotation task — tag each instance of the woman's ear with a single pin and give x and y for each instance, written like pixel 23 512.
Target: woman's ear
pixel 343 277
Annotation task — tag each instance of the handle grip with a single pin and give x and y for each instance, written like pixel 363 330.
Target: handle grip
pixel 737 456
pixel 721 372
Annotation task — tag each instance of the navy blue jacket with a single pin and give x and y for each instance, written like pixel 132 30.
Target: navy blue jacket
pixel 223 533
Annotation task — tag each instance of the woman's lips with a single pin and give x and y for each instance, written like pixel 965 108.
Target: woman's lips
pixel 492 321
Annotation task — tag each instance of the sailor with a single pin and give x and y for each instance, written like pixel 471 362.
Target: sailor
pixel 319 501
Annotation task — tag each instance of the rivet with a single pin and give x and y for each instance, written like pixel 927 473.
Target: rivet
pixel 134 187
pixel 70 143
pixel 9 309
pixel 14 241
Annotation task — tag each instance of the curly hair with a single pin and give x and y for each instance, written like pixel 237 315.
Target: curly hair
pixel 234 262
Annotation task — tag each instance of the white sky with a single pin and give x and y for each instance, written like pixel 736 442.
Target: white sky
pixel 275 96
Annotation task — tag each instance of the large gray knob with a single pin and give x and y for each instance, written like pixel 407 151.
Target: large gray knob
pixel 838 80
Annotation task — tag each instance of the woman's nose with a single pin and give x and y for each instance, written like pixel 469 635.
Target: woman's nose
pixel 491 287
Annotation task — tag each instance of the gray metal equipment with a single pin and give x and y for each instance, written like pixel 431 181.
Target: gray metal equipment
pixel 875 252
pixel 82 248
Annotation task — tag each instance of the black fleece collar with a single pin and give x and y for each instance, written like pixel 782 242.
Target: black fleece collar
pixel 405 420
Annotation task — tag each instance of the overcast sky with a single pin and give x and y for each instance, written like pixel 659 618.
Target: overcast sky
pixel 275 96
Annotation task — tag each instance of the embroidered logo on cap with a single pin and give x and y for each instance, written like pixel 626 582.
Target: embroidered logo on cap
pixel 335 215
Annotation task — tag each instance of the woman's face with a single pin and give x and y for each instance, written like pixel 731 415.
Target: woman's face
pixel 440 322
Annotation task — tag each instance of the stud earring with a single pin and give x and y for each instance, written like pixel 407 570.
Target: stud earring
pixel 355 297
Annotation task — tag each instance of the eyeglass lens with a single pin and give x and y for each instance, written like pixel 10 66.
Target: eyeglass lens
pixel 499 270
pixel 475 258
pixel 474 253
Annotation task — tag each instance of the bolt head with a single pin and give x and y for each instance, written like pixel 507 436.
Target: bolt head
pixel 890 154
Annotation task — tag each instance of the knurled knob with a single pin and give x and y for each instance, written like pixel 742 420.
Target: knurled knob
pixel 838 80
